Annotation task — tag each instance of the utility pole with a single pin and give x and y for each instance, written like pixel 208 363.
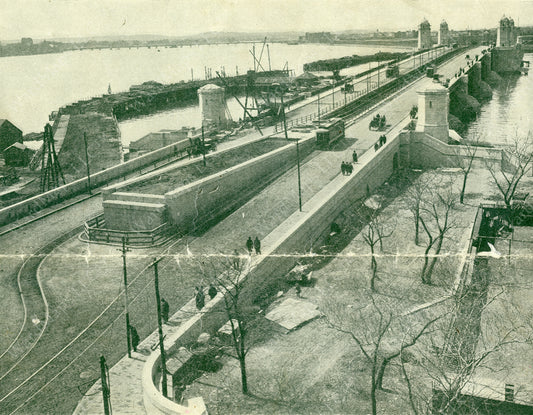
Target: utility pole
pixel 299 180
pixel 106 390
pixel 318 104
pixel 87 163
pixel 203 144
pixel 284 118
pixel 160 329
pixel 125 273
pixel 378 72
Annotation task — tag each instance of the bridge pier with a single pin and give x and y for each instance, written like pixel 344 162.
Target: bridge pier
pixel 478 88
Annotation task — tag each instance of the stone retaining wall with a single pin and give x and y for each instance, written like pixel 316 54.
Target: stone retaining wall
pixel 59 194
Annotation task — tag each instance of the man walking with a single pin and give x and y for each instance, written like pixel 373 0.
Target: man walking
pixel 249 245
pixel 257 246
pixel 354 156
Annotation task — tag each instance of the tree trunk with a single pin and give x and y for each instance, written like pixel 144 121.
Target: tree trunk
pixel 244 379
pixel 417 226
pixel 374 267
pixel 424 268
pixel 429 270
pixel 381 372
pixel 462 197
pixel 373 390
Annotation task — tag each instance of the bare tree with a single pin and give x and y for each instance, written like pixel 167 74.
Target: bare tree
pixel 375 232
pixel 464 159
pixel 413 198
pixel 436 220
pixel 227 274
pixel 450 369
pixel 371 327
pixel 517 162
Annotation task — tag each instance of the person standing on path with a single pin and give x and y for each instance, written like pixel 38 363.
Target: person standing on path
pixel 354 156
pixel 164 310
pixel 200 298
pixel 236 260
pixel 134 338
pixel 257 246
pixel 212 291
pixel 249 245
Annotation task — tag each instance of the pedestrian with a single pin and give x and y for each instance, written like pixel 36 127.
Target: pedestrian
pixel 384 139
pixel 257 246
pixel 134 338
pixel 343 168
pixel 200 298
pixel 298 290
pixel 354 156
pixel 212 291
pixel 350 168
pixel 236 260
pixel 249 245
pixel 164 310
pixel 376 147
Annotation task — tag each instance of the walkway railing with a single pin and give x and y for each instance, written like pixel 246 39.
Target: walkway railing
pixel 95 231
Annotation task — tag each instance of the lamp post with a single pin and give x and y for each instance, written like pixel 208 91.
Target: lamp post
pixel 297 153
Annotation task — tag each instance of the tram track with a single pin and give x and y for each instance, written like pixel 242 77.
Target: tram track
pixel 40 370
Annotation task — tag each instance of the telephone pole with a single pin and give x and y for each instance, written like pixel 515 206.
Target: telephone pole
pixel 160 329
pixel 106 390
pixel 203 144
pixel 87 162
pixel 124 250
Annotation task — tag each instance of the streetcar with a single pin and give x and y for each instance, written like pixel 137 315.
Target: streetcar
pixel 329 132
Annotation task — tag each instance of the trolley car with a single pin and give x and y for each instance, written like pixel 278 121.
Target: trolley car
pixel 329 132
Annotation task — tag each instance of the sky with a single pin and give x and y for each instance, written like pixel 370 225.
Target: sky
pixel 48 19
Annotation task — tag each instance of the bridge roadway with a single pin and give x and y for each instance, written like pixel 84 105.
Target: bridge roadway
pixel 257 217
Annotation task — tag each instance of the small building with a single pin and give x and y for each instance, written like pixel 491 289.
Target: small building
pixel 160 139
pixel 307 79
pixel 17 155
pixel 9 134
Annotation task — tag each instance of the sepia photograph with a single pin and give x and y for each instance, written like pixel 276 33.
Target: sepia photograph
pixel 266 207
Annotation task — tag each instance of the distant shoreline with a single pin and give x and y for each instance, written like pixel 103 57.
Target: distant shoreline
pixel 50 47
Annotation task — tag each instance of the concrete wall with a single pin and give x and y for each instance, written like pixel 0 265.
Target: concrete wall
pixel 422 151
pixel 486 66
pixel 59 194
pixel 191 206
pixel 506 59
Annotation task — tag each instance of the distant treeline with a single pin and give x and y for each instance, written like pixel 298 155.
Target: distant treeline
pixel 347 61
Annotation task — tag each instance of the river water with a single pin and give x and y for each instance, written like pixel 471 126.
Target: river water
pixel 508 113
pixel 34 86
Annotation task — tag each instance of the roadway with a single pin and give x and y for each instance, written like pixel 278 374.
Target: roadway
pixel 261 215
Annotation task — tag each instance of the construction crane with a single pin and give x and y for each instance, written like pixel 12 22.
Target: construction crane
pixel 50 168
